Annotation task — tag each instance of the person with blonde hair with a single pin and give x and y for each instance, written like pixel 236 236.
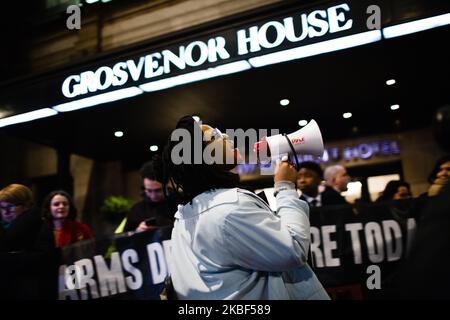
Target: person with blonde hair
pixel 14 200
pixel 26 268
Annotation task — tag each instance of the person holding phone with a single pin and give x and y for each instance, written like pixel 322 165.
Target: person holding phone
pixel 156 209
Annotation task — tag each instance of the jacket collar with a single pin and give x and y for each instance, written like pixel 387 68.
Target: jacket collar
pixel 206 201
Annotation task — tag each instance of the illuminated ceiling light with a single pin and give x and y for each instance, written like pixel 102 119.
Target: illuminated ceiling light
pixel 154 148
pixel 390 82
pixel 28 116
pixel 416 26
pixel 118 134
pixel 302 123
pixel 316 48
pixel 395 107
pixel 196 118
pixel 98 99
pixel 284 102
pixel 222 70
pixel 347 115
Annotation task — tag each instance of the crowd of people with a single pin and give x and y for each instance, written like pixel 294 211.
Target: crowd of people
pixel 227 242
pixel 28 238
pixel 24 228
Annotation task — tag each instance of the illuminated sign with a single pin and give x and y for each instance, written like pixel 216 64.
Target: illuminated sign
pixel 273 34
pixel 150 66
pixel 368 150
pixel 362 151
pixel 315 24
pixel 292 35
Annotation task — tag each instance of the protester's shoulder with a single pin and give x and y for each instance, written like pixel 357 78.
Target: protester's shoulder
pixel 235 195
pixel 226 196
pixel 220 201
pixel 248 199
pixel 242 207
pixel 246 195
pixel 227 201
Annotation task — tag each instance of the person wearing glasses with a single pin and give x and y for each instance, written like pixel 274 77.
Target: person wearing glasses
pixel 23 264
pixel 155 209
pixel 19 225
pixel 226 241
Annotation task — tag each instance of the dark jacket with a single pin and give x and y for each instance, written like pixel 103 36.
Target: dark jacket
pixel 22 233
pixel 26 266
pixel 331 197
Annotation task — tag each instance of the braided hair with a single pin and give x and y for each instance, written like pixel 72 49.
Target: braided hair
pixel 190 179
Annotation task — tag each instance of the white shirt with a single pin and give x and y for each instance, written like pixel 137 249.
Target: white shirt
pixel 318 200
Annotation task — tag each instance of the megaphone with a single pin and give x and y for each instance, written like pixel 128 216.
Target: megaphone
pixel 307 140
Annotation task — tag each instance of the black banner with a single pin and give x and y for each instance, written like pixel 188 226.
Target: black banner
pixel 126 266
pixel 357 250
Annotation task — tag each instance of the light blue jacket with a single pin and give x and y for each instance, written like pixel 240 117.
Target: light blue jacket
pixel 228 244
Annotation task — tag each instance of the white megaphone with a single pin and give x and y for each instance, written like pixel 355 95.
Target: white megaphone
pixel 307 140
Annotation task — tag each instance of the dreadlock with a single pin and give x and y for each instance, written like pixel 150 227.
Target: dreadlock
pixel 189 179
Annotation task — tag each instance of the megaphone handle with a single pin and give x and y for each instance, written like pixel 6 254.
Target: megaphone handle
pixel 294 153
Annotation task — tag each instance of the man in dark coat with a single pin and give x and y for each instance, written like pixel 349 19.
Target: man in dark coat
pixel 309 178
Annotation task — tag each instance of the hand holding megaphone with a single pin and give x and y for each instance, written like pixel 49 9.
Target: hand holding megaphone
pixel 285 171
pixel 307 140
